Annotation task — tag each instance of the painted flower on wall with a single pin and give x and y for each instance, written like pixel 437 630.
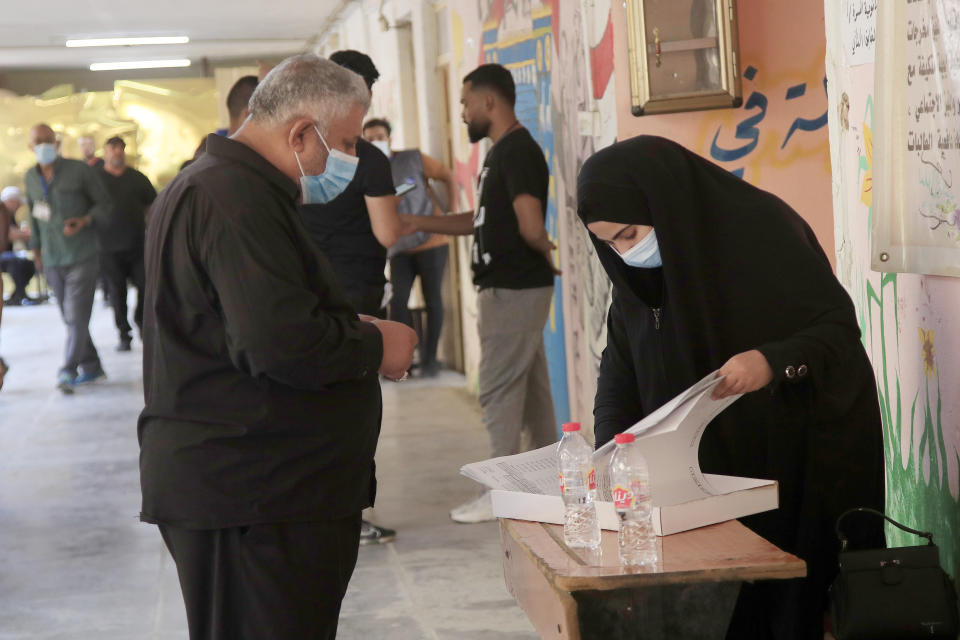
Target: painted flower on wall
pixel 926 347
pixel 866 191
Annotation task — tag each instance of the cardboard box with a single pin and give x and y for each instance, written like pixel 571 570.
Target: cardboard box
pixel 738 497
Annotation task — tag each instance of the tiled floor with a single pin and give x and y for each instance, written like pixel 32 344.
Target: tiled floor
pixel 76 563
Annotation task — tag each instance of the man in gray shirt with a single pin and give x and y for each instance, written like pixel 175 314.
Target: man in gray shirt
pixel 66 200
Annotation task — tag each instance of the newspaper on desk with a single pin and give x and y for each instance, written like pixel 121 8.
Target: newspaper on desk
pixel 669 439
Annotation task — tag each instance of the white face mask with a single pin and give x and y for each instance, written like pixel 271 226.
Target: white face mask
pixel 46 152
pixel 645 254
pixel 383 145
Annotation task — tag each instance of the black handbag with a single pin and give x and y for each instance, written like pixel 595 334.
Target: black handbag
pixel 895 594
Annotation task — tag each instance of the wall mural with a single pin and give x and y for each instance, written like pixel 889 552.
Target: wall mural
pixel 771 131
pixel 922 453
pixel 585 45
pixel 909 328
pixel 535 41
pixel 525 47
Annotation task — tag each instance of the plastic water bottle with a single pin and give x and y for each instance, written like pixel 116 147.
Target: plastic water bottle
pixel 630 486
pixel 578 486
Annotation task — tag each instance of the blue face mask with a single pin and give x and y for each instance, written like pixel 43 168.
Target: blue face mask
pixel 46 152
pixel 328 185
pixel 645 254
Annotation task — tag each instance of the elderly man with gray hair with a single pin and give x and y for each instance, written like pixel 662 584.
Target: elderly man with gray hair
pixel 261 384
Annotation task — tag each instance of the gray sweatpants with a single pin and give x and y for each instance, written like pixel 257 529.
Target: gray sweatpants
pixel 74 287
pixel 513 379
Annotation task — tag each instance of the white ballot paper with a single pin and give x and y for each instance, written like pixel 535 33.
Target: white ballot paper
pixel 525 485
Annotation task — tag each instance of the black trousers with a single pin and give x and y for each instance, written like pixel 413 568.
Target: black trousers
pixel 118 267
pixel 429 265
pixel 265 582
pixel 20 270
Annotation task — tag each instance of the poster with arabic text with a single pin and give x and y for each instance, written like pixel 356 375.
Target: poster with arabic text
pixel 916 141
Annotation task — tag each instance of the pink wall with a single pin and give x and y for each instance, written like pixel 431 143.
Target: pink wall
pixel 784 41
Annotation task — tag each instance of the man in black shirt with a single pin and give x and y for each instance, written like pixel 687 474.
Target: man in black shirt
pixel 262 397
pixel 512 268
pixel 121 236
pixel 355 229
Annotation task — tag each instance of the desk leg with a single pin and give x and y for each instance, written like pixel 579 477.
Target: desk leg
pixel 700 611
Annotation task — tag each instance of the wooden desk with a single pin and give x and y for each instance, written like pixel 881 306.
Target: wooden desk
pixel 575 594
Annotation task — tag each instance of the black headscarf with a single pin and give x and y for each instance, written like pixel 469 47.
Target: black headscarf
pixel 740 267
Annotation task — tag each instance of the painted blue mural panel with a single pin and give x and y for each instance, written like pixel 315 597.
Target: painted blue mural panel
pixel 528 59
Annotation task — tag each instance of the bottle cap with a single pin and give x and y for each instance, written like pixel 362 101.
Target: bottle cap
pixel 623 438
pixel 571 426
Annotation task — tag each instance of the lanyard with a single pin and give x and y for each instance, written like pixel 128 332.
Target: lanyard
pixel 43 183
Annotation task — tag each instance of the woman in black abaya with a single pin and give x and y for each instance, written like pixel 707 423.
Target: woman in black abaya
pixel 712 273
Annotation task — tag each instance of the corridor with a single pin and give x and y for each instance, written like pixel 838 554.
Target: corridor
pixel 76 563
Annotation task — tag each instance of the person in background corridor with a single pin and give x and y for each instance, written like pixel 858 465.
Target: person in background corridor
pixel 5 216
pixel 512 267
pixel 420 254
pixel 67 201
pixel 121 234
pixel 88 151
pixel 354 227
pixel 237 103
pixel 262 396
pixel 20 269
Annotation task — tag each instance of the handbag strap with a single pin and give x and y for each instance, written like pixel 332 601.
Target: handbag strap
pixel 843 539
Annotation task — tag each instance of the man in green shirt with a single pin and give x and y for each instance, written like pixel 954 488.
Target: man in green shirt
pixel 66 199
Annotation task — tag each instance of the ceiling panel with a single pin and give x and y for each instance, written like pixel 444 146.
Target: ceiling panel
pixel 33 36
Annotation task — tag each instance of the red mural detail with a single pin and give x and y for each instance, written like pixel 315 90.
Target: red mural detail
pixel 555 19
pixel 496 11
pixel 465 172
pixel 601 61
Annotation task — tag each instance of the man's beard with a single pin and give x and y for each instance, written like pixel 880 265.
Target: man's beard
pixel 478 130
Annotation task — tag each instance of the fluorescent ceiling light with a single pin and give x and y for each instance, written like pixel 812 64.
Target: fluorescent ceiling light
pixel 121 42
pixel 139 64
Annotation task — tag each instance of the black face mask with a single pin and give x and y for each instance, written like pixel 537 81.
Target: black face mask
pixel 477 130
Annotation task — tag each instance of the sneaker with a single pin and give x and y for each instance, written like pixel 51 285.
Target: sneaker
pixel 86 378
pixel 65 382
pixel 477 510
pixel 372 534
pixel 124 344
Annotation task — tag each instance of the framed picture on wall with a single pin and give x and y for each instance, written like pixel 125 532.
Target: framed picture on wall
pixel 683 55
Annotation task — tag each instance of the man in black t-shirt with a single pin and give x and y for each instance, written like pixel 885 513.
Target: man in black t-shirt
pixel 121 238
pixel 354 231
pixel 512 268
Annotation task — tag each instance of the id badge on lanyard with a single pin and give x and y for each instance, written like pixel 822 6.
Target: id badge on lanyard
pixel 41 210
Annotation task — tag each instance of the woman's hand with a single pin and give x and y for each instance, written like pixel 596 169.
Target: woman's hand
pixel 745 372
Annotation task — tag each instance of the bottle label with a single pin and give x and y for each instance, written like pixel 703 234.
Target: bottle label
pixel 560 475
pixel 622 497
pixel 592 479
